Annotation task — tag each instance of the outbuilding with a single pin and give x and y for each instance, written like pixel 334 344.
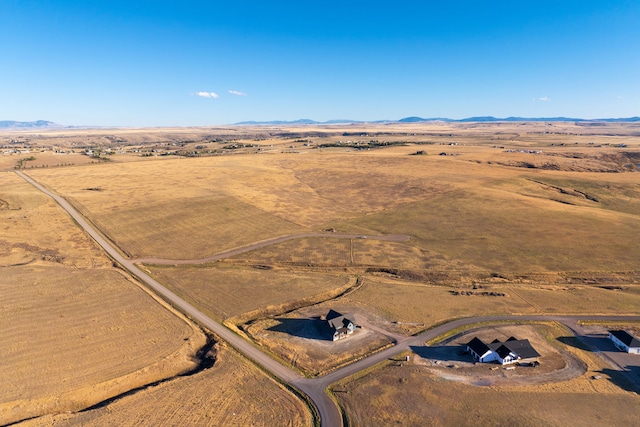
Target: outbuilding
pixel 625 341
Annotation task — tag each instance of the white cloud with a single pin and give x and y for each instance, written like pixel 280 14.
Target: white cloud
pixel 543 99
pixel 237 93
pixel 207 94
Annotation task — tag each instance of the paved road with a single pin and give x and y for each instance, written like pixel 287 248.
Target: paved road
pixel 314 388
pixel 262 244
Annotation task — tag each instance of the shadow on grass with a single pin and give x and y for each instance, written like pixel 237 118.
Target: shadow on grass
pixel 444 353
pixel 573 341
pixel 310 328
pixel 601 342
pixel 628 380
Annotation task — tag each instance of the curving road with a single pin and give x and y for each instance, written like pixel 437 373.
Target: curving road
pixel 263 243
pixel 314 388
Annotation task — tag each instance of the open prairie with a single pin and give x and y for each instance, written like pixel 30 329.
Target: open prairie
pixel 35 231
pixel 506 218
pixel 234 392
pixel 469 204
pixel 75 331
pixel 74 337
pixel 505 207
pixel 223 292
pixel 413 306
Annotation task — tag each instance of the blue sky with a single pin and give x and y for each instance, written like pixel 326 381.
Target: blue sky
pixel 190 63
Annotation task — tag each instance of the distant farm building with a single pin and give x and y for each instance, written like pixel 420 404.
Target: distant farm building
pixel 625 341
pixel 342 325
pixel 511 351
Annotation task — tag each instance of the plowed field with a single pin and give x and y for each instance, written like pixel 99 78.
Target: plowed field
pixel 72 338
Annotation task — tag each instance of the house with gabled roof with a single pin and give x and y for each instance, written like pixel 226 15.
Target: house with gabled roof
pixel 479 350
pixel 342 325
pixel 625 341
pixel 511 351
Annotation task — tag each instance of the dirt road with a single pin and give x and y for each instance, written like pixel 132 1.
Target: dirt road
pixel 263 243
pixel 314 388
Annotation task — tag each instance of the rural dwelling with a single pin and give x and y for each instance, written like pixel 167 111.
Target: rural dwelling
pixel 341 325
pixel 511 351
pixel 625 341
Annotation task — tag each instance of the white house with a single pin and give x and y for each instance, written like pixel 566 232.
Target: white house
pixel 341 325
pixel 510 351
pixel 625 341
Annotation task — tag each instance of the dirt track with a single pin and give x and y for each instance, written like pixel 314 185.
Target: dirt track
pixel 262 244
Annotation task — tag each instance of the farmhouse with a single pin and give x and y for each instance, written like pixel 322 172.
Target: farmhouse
pixel 511 351
pixel 625 341
pixel 341 325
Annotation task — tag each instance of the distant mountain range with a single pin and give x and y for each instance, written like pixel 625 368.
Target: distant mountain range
pixel 304 122
pixel 415 119
pixel 38 124
pixel 45 124
pixel 516 119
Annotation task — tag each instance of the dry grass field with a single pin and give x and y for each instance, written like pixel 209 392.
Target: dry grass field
pixel 509 204
pixel 414 305
pixel 75 331
pixel 43 160
pixel 513 234
pixel 231 393
pixel 160 209
pixel 503 218
pixel 74 337
pixel 239 294
pixel 357 254
pixel 34 230
pixel 413 394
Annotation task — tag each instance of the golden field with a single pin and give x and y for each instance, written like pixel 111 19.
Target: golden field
pixel 77 332
pixel 35 230
pixel 416 306
pixel 231 393
pixel 230 292
pixel 546 217
pixel 464 206
pixel 509 207
pixel 73 338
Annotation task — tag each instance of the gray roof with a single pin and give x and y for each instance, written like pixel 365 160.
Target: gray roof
pixel 626 338
pixel 337 320
pixel 522 348
pixel 477 346
pixel 503 351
